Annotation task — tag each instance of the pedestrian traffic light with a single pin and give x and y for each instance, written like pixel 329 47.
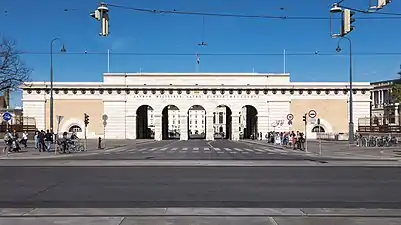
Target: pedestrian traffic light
pixel 101 14
pixel 347 21
pixel 86 119
pixel 304 118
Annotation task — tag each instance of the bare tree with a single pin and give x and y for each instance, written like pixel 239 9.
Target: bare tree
pixel 13 71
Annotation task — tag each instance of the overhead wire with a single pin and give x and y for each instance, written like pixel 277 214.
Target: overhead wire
pixel 215 54
pixel 194 13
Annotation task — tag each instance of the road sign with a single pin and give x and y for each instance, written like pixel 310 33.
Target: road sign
pixel 104 123
pixel 104 117
pixel 290 117
pixel 312 113
pixel 290 122
pixel 7 116
pixel 312 120
pixel 59 119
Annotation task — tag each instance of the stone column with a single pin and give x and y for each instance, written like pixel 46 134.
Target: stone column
pixel 184 127
pixel 130 127
pixel 209 128
pixel 235 127
pixel 263 125
pixel 157 118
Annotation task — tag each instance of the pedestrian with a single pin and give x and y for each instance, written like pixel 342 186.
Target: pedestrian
pixel 24 139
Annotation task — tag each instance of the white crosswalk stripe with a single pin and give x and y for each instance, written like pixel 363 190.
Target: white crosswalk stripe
pixel 199 150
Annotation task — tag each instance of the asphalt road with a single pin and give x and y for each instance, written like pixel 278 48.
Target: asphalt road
pixel 132 187
pixel 196 150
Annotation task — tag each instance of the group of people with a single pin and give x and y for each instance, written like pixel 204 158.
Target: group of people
pixel 12 141
pixel 294 139
pixel 44 140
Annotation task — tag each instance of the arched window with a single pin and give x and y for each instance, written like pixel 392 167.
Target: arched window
pixel 316 129
pixel 75 128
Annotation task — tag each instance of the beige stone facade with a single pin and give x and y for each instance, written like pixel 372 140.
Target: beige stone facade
pixel 120 96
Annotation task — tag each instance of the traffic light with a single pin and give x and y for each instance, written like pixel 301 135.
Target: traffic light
pixel 102 14
pixel 382 3
pixel 304 118
pixel 86 119
pixel 347 20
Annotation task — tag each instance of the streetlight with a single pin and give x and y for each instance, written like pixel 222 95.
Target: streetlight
pixel 51 79
pixel 351 122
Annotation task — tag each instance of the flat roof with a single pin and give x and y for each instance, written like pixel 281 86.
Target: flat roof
pixel 196 74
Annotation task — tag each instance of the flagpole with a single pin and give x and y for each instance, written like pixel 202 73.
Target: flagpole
pixel 108 60
pixel 285 61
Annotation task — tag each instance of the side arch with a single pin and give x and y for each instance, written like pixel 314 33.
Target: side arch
pixel 323 123
pixel 67 124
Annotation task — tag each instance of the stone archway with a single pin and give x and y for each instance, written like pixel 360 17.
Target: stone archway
pixel 222 119
pixel 196 122
pixel 249 121
pixel 171 122
pixel 144 124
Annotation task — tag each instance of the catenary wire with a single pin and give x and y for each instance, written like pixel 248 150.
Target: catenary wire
pixel 193 13
pixel 214 54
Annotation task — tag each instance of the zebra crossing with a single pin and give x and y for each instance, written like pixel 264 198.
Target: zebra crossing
pixel 197 150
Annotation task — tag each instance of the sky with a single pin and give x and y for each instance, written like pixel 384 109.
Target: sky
pixel 33 24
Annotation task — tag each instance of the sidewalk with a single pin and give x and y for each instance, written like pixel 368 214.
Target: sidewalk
pixel 335 150
pixel 92 145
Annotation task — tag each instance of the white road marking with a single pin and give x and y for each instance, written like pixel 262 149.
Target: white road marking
pixel 195 148
pixel 216 148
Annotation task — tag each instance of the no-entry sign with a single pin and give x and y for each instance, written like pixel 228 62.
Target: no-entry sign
pixel 312 114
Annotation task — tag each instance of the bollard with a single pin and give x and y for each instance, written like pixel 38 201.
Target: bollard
pixel 99 143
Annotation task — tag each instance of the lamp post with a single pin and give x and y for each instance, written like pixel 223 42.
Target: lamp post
pixel 351 122
pixel 51 79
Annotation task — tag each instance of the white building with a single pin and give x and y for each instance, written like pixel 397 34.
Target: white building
pixel 125 98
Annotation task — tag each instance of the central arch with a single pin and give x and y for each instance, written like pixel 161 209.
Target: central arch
pixel 196 122
pixel 170 122
pixel 222 122
pixel 249 122
pixel 144 124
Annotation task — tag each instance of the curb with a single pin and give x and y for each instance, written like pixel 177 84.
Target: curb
pixel 229 212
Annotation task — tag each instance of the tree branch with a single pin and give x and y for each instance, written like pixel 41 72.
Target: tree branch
pixel 13 71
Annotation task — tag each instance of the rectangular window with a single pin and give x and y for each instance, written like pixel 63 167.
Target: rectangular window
pixel 220 117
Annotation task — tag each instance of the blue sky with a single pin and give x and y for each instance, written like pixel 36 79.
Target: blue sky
pixel 34 23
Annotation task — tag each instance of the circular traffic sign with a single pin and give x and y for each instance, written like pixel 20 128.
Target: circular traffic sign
pixel 312 113
pixel 290 117
pixel 105 117
pixel 7 116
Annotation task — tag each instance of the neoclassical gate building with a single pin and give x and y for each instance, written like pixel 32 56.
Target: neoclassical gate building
pixel 127 97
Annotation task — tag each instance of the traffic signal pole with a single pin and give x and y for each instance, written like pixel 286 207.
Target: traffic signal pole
pixel 86 121
pixel 305 130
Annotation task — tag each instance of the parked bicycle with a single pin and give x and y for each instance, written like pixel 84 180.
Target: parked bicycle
pixel 70 146
pixel 378 141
